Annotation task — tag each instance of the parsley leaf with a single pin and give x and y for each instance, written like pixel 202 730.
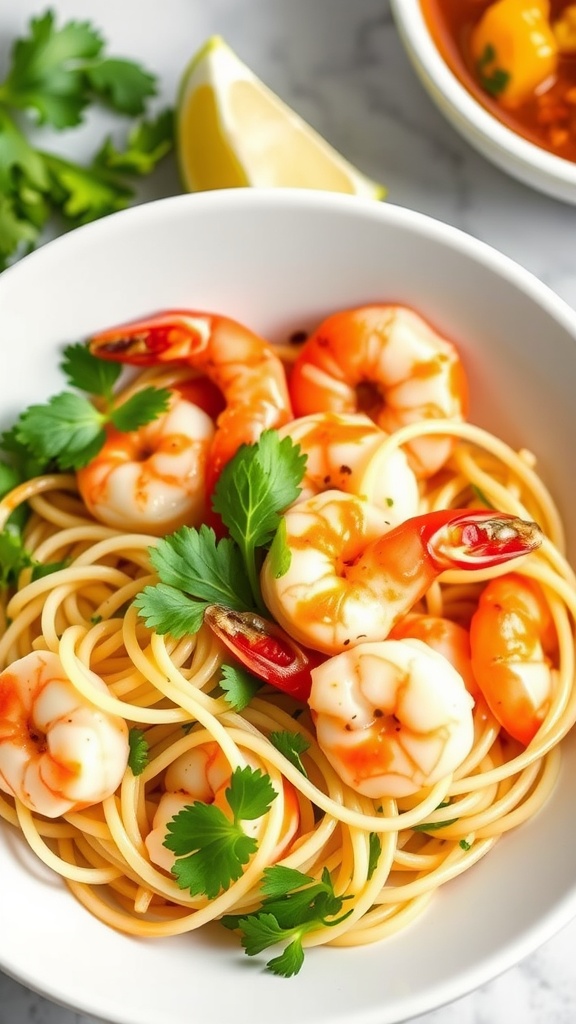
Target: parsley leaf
pixel 142 407
pixel 252 491
pixel 254 488
pixel 56 72
pixel 211 850
pixel 374 851
pixel 68 429
pixel 87 372
pixel 239 686
pixel 167 610
pixel 492 78
pixel 13 556
pixel 139 751
pixel 294 904
pixel 46 75
pixel 195 570
pixel 292 745
pixel 146 144
pixel 433 826
pixel 121 83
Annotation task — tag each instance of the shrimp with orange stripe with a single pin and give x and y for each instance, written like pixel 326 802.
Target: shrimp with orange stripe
pixel 243 366
pixel 58 751
pixel 388 362
pixel 513 641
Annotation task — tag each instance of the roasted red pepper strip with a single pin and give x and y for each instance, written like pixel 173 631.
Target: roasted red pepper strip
pixel 265 649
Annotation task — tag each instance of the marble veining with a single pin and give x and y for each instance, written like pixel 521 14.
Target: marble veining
pixel 341 65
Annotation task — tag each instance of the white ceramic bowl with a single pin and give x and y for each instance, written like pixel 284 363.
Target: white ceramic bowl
pixel 512 153
pixel 279 261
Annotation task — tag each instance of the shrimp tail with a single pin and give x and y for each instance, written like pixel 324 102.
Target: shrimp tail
pixel 413 554
pixel 461 539
pixel 174 335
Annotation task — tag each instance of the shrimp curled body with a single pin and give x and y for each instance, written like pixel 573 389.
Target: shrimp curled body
pixel 511 633
pixel 387 360
pixel 58 752
pixel 391 717
pixel 152 480
pixel 315 601
pixel 348 452
pixel 347 576
pixel 242 365
pixel 203 774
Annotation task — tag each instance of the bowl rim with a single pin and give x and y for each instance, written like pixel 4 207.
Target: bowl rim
pixel 448 89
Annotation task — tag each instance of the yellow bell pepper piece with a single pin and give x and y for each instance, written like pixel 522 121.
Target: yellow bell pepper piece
pixel 514 49
pixel 564 30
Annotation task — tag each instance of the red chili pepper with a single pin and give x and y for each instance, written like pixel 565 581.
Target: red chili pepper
pixel 265 649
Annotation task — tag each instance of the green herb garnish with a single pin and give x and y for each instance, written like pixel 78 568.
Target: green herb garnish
pixel 56 73
pixel 211 850
pixel 195 569
pixel 69 429
pixel 492 78
pixel 294 905
pixel 139 751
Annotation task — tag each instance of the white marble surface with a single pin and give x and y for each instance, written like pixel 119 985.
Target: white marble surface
pixel 340 64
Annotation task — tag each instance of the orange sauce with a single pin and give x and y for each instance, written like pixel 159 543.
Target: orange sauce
pixel 548 118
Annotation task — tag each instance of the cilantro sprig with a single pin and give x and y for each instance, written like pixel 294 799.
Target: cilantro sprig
pixel 16 466
pixel 56 73
pixel 293 905
pixel 252 492
pixel 212 849
pixel 493 78
pixel 195 569
pixel 69 429
pixel 138 751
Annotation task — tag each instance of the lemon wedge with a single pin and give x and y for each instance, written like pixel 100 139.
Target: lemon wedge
pixel 233 131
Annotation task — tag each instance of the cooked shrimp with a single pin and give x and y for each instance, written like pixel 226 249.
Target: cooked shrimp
pixel 351 578
pixel 444 636
pixel 510 633
pixel 244 367
pixel 348 452
pixel 391 717
pixel 386 360
pixel 203 774
pixel 58 752
pixel 152 480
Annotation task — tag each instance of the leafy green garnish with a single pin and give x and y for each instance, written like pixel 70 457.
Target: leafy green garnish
pixel 239 686
pixel 69 430
pixel 14 557
pixel 211 850
pixel 56 73
pixel 374 851
pixel 254 488
pixel 139 751
pixel 294 905
pixel 292 745
pixel 492 78
pixel 195 569
pixel 433 826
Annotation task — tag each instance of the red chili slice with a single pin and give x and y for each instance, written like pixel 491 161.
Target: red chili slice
pixel 265 649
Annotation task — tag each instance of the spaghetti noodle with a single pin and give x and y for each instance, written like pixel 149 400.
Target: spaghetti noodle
pixel 385 857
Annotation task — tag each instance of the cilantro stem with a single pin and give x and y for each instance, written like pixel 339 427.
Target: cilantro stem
pixel 254 578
